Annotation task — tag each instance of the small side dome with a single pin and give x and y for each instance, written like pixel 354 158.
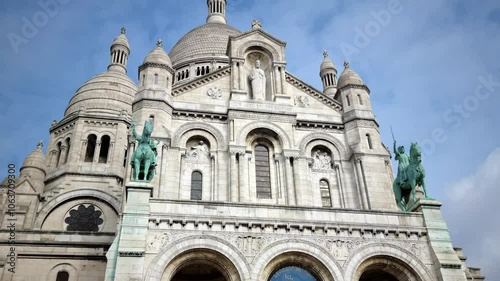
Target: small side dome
pixel 349 77
pixel 327 63
pixel 35 159
pixel 121 40
pixel 158 55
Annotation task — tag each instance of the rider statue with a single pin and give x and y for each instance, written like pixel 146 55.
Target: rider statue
pixel 144 158
pixel 403 162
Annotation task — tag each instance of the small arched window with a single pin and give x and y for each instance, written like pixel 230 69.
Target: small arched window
pixel 103 154
pixel 326 199
pixel 187 73
pixel 62 276
pixel 369 140
pixel 348 100
pixel 155 81
pixel 68 146
pixel 196 185
pixel 360 100
pixel 143 79
pixel 198 71
pixel 207 69
pixel 91 143
pixel 262 172
pixel 58 155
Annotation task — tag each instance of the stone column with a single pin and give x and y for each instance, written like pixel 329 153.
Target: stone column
pixel 340 184
pixel 163 173
pixel 62 155
pixel 283 81
pixel 243 78
pixel 243 177
pixel 234 178
pixel 277 79
pixel 235 74
pixel 97 150
pixel 83 151
pixel 110 152
pixel 361 184
pixel 53 159
pixel 290 187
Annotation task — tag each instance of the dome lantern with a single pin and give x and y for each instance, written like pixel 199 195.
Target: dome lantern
pixel 328 74
pixel 216 11
pixel 120 50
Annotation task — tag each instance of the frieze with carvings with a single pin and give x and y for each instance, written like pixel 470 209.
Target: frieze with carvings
pixel 263 106
pixel 191 116
pixel 263 117
pixel 198 154
pixel 321 162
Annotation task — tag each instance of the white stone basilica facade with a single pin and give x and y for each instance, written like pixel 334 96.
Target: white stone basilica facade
pixel 258 176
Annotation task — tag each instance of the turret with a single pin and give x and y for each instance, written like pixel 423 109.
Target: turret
pixel 120 50
pixel 216 11
pixel 354 95
pixel 34 168
pixel 328 74
pixel 156 72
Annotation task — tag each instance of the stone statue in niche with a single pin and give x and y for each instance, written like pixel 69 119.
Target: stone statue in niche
pixel 258 79
pixel 321 160
pixel 199 152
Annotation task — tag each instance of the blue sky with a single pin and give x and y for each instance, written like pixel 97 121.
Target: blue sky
pixel 432 67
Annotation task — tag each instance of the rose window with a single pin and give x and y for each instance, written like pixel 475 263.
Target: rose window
pixel 84 218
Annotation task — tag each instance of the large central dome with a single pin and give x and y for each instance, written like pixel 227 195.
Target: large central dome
pixel 206 41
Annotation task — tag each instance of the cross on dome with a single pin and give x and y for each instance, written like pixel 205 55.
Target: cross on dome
pixel 346 64
pixel 256 24
pixel 124 30
pixel 159 43
pixel 325 54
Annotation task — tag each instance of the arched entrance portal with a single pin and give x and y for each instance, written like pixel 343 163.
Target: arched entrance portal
pixel 293 273
pixel 199 271
pixel 201 265
pixel 377 275
pixel 384 268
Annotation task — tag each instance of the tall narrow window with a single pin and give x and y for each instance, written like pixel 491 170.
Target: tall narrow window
pixel 62 276
pixel 326 199
pixel 262 172
pixel 68 147
pixel 207 69
pixel 348 100
pixel 58 154
pixel 143 79
pixel 196 185
pixel 369 140
pixel 360 100
pixel 125 158
pixel 187 73
pixel 89 153
pixel 155 81
pixel 103 154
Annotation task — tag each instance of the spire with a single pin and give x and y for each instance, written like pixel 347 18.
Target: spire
pixel 120 50
pixel 328 74
pixel 216 11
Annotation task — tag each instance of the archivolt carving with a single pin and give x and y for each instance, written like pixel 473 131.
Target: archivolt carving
pixel 275 53
pixel 285 139
pixel 339 147
pixel 370 250
pixel 220 145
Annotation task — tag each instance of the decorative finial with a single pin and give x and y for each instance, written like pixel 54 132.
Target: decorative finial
pixel 159 43
pixel 39 144
pixel 346 64
pixel 124 30
pixel 256 24
pixel 325 54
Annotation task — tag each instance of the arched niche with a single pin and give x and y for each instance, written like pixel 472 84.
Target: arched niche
pixel 252 55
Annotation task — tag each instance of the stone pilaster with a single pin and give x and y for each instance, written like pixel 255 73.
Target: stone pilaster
pixel 446 262
pixel 133 233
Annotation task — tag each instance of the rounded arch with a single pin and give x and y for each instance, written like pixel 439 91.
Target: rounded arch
pixel 75 194
pixel 69 268
pixel 408 263
pixel 181 135
pixel 283 136
pixel 167 255
pixel 287 252
pixel 264 46
pixel 337 148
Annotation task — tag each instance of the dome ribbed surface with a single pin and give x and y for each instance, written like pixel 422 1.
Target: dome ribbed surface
pixel 108 93
pixel 349 77
pixel 208 40
pixel 327 64
pixel 121 40
pixel 36 159
pixel 158 55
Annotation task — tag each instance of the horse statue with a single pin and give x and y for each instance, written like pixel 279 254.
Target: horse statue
pixel 411 174
pixel 144 157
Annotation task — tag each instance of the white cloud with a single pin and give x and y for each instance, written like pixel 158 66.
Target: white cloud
pixel 472 215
